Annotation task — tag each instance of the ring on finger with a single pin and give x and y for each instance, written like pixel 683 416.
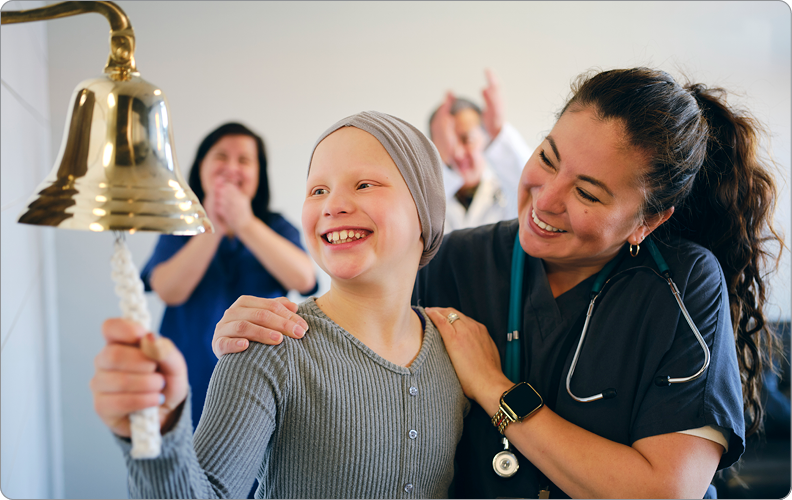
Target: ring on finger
pixel 452 317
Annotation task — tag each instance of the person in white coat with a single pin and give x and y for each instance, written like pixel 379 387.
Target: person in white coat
pixel 485 156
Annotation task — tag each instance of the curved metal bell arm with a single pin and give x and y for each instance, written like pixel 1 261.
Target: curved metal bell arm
pixel 121 63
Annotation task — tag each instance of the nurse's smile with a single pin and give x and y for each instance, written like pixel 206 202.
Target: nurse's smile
pixel 544 228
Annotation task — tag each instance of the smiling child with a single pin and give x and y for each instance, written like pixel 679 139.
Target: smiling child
pixel 367 404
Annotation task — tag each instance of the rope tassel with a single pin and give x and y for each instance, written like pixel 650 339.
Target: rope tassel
pixel 145 427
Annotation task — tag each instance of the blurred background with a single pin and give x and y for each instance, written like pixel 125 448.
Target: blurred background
pixel 289 70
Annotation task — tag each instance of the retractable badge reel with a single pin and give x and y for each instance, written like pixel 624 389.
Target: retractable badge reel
pixel 505 462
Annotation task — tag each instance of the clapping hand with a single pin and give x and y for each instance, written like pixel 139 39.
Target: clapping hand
pixel 231 206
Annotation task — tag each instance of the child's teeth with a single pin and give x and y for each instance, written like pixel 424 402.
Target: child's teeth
pixel 343 236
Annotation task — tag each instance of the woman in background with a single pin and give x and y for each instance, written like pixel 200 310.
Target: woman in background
pixel 252 252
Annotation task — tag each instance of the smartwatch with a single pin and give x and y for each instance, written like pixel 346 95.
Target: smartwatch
pixel 517 404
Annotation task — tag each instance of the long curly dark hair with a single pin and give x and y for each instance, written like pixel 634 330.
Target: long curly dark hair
pixel 704 160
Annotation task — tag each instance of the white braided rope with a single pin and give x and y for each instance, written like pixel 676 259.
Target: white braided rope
pixel 146 439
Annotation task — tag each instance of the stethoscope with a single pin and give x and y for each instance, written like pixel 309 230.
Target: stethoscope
pixel 505 462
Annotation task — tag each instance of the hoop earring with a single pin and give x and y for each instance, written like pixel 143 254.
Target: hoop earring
pixel 634 249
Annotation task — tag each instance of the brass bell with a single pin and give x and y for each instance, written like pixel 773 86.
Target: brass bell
pixel 116 169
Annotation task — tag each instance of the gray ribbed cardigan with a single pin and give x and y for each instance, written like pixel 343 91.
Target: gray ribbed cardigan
pixel 319 417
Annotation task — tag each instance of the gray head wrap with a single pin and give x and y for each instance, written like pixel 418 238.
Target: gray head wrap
pixel 419 164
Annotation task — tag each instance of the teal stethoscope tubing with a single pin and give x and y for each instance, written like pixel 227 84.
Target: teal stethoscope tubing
pixel 512 361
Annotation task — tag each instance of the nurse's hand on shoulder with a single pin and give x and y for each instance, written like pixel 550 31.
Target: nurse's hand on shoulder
pixel 473 353
pixel 135 371
pixel 258 320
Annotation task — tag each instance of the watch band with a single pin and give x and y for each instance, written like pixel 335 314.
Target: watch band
pixel 501 420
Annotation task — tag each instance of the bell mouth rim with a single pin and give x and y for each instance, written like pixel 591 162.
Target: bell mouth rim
pixel 157 224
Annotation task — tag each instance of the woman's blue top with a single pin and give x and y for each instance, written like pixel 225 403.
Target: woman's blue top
pixel 637 333
pixel 234 271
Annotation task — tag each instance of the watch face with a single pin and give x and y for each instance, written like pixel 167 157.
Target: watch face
pixel 522 399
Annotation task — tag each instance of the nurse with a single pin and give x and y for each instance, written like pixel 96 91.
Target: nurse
pixel 633 156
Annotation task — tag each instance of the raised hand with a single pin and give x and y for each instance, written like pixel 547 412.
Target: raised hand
pixel 492 114
pixel 443 133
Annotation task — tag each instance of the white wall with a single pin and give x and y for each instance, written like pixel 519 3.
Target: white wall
pixel 290 69
pixel 29 411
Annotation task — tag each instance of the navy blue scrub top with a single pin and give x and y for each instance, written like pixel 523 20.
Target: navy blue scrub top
pixel 637 333
pixel 234 271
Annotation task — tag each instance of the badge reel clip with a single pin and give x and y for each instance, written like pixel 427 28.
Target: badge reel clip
pixel 505 462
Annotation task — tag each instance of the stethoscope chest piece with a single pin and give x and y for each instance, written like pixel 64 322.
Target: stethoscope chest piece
pixel 505 462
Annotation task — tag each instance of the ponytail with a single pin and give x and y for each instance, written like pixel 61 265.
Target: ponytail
pixel 729 211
